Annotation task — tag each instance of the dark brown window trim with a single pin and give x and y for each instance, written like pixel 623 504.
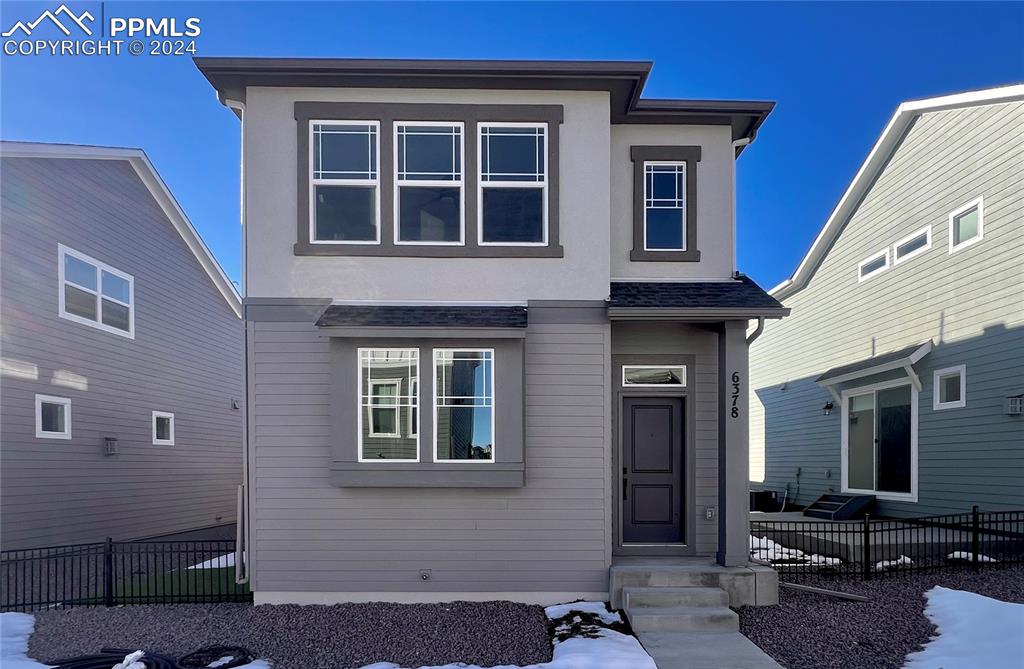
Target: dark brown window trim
pixel 387 114
pixel 690 155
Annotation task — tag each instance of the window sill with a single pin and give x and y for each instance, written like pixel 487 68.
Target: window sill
pixel 427 251
pixel 640 255
pixel 427 475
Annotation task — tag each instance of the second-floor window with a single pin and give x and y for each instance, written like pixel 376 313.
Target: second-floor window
pixel 428 183
pixel 95 294
pixel 664 206
pixel 513 184
pixel 346 182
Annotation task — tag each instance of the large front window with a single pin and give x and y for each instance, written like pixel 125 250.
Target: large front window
pixel 96 294
pixel 345 184
pixel 513 183
pixel 388 401
pixel 880 440
pixel 464 404
pixel 428 183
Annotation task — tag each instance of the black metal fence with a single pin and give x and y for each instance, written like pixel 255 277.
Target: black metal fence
pixel 114 573
pixel 869 548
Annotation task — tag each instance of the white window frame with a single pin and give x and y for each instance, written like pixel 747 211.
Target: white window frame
pixel 397 408
pixel 937 403
pixel 360 406
pixel 438 183
pixel 365 183
pixel 978 202
pixel 480 184
pixel 170 417
pixel 414 411
pixel 927 231
pixel 493 405
pixel 51 399
pixel 101 267
pixel 681 198
pixel 864 277
pixel 845 443
pixel 682 376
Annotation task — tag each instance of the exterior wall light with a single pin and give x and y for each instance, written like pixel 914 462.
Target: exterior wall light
pixel 827 409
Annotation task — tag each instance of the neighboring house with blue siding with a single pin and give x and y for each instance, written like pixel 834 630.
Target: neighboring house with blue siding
pixel 900 372
pixel 121 359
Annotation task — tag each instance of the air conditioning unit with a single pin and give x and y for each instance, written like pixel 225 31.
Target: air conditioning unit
pixel 1015 405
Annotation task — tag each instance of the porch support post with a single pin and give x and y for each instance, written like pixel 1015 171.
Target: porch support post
pixel 733 446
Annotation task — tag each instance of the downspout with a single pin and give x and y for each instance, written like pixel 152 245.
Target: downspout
pixel 757 331
pixel 742 141
pixel 242 536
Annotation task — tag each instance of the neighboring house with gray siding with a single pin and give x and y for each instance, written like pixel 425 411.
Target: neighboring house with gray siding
pixel 908 324
pixel 525 273
pixel 121 351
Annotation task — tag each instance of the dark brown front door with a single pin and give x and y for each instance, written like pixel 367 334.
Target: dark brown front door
pixel 652 470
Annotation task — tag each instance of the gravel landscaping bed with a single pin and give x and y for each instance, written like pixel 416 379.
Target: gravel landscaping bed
pixel 811 631
pixel 309 637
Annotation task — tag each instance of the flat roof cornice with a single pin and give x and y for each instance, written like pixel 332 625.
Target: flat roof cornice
pixel 623 80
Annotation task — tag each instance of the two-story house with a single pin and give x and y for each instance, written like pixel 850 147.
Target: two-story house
pixel 121 354
pixel 496 340
pixel 901 372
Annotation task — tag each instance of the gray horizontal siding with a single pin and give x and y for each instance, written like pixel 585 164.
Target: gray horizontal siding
pixel 186 358
pixel 968 303
pixel 310 536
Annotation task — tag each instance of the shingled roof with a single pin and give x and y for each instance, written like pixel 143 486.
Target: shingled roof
pixel 349 315
pixel 742 296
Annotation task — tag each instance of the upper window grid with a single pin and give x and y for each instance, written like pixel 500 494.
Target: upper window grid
pixel 962 216
pixel 367 177
pixel 423 172
pixel 665 197
pixel 873 265
pixel 912 245
pixel 480 403
pixel 532 174
pixel 103 296
pixel 377 368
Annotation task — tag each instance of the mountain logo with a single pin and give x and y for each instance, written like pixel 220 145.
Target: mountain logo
pixel 63 10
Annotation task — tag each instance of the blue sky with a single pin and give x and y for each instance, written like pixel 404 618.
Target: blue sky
pixel 837 70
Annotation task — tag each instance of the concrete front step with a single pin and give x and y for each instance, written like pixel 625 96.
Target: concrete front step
pixel 749 584
pixel 684 619
pixel 674 597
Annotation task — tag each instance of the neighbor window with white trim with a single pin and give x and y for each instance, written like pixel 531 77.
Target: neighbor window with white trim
pixel 913 245
pixel 53 417
pixel 513 184
pixel 464 404
pixel 388 404
pixel 654 376
pixel 345 188
pixel 94 293
pixel 163 428
pixel 428 183
pixel 664 206
pixel 966 225
pixel 876 264
pixel 949 388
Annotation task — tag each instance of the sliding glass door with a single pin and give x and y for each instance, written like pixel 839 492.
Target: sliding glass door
pixel 880 440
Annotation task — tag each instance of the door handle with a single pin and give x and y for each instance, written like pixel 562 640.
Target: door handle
pixel 625 483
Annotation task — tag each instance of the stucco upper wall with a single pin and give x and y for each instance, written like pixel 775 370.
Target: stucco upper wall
pixel 272 270
pixel 715 193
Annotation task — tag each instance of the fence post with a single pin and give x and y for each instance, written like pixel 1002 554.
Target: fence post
pixel 975 538
pixel 108 572
pixel 867 546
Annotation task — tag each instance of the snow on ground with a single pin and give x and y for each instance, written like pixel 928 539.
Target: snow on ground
pixel 969 557
pixel 16 628
pixel 226 560
pixel 766 550
pixel 608 650
pixel 974 631
pixel 882 565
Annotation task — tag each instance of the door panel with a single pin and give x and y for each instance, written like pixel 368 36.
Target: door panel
pixel 894 417
pixel 652 459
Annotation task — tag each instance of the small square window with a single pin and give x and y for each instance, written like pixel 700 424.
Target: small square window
pixel 513 184
pixel 53 417
pixel 950 388
pixel 163 428
pixel 345 184
pixel 966 225
pixel 876 264
pixel 654 376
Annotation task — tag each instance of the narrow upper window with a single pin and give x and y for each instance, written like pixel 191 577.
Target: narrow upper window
pixel 388 401
pixel 94 293
pixel 163 428
pixel 949 388
pixel 464 404
pixel 913 245
pixel 966 225
pixel 428 183
pixel 664 206
pixel 345 188
pixel 876 264
pixel 657 376
pixel 513 184
pixel 53 417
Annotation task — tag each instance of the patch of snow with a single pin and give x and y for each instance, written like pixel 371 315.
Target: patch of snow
pixel 969 557
pixel 974 631
pixel 824 560
pixel 761 542
pixel 610 650
pixel 15 629
pixel 226 560
pixel 221 661
pixel 889 564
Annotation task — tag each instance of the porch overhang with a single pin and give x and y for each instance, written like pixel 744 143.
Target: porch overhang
pixel 423 321
pixel 693 301
pixel 904 359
